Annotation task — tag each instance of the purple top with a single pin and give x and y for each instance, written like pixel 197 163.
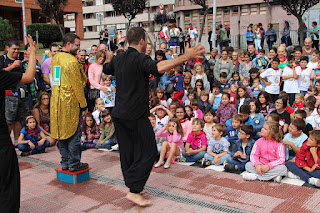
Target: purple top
pixel 46 66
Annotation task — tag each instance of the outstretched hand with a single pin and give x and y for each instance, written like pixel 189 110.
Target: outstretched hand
pixel 33 46
pixel 194 52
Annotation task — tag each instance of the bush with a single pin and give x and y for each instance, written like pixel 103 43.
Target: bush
pixel 5 31
pixel 48 33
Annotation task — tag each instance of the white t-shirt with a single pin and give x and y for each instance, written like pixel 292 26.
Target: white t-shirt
pixel 109 97
pixel 163 121
pixel 272 76
pixel 192 33
pixel 291 85
pixel 304 79
pixel 312 65
pixel 165 31
pixel 311 120
pixel 317 122
pixel 96 115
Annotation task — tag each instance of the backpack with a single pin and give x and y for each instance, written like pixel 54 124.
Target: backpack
pixel 162 36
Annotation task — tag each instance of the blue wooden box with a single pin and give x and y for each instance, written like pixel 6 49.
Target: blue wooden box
pixel 73 177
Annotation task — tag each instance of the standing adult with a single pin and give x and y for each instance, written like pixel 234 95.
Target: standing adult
pixel 209 39
pixel 285 32
pixel 67 99
pixel 193 35
pixel 134 132
pixel 86 64
pixel 182 39
pixel 17 100
pixel 105 37
pixel 222 37
pixel 94 50
pixel 223 65
pixel 174 37
pixel 315 33
pixel 46 66
pixel 9 175
pixel 271 36
pixel 263 33
pixel 121 39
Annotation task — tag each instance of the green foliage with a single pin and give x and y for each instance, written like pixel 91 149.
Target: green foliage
pixel 48 33
pixel 5 31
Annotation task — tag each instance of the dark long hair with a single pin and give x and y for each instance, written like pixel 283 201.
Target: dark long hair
pixel 93 127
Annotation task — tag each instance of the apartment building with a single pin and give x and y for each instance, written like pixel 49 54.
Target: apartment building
pixel 99 14
pixel 12 10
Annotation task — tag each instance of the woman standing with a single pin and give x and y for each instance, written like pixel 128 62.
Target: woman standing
pixel 41 113
pixel 286 34
pixel 174 37
pixel 315 32
pixel 257 38
pixel 263 34
pixel 182 38
pixel 223 65
pixel 271 36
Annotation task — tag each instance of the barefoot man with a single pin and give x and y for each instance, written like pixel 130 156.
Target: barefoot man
pixel 130 115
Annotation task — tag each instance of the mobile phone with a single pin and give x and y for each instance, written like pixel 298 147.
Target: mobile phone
pixel 21 56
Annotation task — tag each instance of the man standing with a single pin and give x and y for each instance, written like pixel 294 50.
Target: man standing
pixel 17 102
pixel 130 115
pixel 46 66
pixel 193 35
pixel 9 175
pixel 163 47
pixel 68 82
pixel 222 37
pixel 149 50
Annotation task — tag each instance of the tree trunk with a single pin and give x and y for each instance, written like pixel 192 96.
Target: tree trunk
pixel 202 24
pixel 61 31
pixel 301 28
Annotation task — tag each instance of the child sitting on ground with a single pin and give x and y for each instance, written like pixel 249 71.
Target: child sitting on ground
pixel 226 110
pixel 108 133
pixel 196 144
pixel 241 153
pixel 196 111
pixel 267 155
pixel 302 114
pixel 256 87
pixel 109 97
pixel 246 84
pixel 233 130
pixel 90 132
pixel 160 94
pixel 191 95
pixel 306 165
pixel 98 108
pixel 235 79
pixel 210 120
pixel 224 81
pixel 156 128
pixel 218 148
pixel 32 140
pixel 161 118
pixel 173 144
pixel 233 98
pixel 215 96
pixel 203 102
pixel 299 102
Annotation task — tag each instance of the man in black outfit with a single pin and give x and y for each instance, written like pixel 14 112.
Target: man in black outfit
pixel 134 132
pixel 9 175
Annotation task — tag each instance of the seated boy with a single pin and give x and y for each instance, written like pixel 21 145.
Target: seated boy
pixel 233 130
pixel 245 114
pixel 246 83
pixel 218 148
pixel 215 96
pixel 224 81
pixel 306 165
pixel 204 101
pixel 241 154
pixel 295 138
pixel 302 114
pixel 261 60
pixel 196 144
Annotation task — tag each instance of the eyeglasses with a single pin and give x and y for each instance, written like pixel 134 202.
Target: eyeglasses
pixel 242 133
pixel 78 45
pixel 280 103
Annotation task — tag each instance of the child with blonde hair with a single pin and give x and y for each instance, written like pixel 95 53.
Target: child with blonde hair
pixel 160 94
pixel 198 73
pixel 267 156
pixel 98 108
pixel 108 97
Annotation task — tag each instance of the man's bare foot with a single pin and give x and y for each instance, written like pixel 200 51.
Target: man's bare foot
pixel 143 192
pixel 138 199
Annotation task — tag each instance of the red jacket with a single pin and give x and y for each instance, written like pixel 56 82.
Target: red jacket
pixel 304 157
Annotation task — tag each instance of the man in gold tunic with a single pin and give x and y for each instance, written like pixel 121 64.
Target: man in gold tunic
pixel 67 98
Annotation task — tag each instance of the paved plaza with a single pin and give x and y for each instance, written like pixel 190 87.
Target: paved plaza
pixel 182 188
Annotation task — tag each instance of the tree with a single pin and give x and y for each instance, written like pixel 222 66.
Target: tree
pixel 128 8
pixel 53 9
pixel 205 9
pixel 167 17
pixel 296 8
pixel 5 31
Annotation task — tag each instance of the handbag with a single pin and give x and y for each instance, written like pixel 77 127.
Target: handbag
pixel 94 94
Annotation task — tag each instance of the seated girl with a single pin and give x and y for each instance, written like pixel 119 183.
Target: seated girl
pixel 108 133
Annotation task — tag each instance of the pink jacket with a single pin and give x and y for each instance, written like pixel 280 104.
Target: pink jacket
pixel 174 138
pixel 270 152
pixel 187 128
pixel 94 75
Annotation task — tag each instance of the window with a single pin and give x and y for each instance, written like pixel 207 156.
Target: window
pixel 88 16
pixel 219 13
pixel 253 9
pixel 99 16
pixel 107 1
pixel 226 11
pixel 18 1
pixel 263 9
pixel 70 17
pixel 235 11
pixel 99 2
pixel 244 10
pixel 88 3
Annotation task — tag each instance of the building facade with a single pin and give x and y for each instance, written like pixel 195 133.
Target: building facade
pixel 12 10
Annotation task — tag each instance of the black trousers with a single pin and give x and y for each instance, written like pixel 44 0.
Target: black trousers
pixel 315 44
pixel 138 151
pixel 9 179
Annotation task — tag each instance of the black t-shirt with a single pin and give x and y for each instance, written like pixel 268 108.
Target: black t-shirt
pixel 308 129
pixel 284 117
pixel 7 80
pixel 5 62
pixel 132 70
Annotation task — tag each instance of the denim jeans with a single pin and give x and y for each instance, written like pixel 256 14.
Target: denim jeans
pixel 26 147
pixel 89 145
pixel 241 165
pixel 303 174
pixel 303 92
pixel 70 149
pixel 104 145
pixel 223 158
pixel 194 157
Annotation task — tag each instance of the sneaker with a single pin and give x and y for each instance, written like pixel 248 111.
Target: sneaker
pixel 25 154
pixel 82 166
pixel 314 181
pixel 229 167
pixel 199 161
pixel 109 147
pixel 278 179
pixel 115 147
pixel 181 159
pixel 293 176
pixel 205 162
pixel 249 176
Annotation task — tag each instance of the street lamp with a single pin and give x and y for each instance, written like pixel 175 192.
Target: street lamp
pixel 214 12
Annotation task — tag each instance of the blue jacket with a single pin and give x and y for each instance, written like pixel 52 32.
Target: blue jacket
pixel 248 36
pixel 164 81
pixel 258 121
pixel 249 121
pixel 272 36
pixel 247 149
pixel 246 100
pixel 204 108
pixel 232 134
pixel 258 65
pixel 179 83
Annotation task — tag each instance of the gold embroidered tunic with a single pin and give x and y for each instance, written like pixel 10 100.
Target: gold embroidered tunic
pixel 67 98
